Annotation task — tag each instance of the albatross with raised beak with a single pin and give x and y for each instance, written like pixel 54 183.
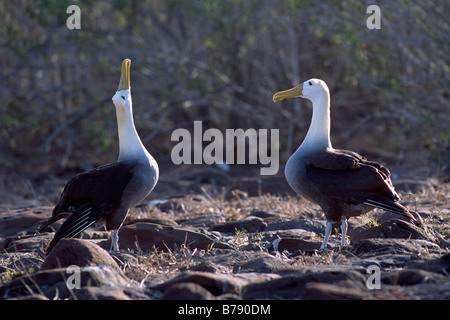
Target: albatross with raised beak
pixel 107 193
pixel 343 183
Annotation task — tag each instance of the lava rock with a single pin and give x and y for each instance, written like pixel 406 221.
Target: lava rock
pixel 250 224
pixel 21 221
pixel 217 284
pixel 327 291
pixel 316 226
pixel 394 228
pixel 53 283
pixel 262 264
pixel 79 252
pixel 373 247
pixel 187 291
pixel 292 286
pixel 146 236
pixel 293 244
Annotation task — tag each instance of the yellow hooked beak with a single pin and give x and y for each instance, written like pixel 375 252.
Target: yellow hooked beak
pixel 125 75
pixel 291 93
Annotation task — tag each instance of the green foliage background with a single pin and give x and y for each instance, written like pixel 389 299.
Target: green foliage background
pixel 221 62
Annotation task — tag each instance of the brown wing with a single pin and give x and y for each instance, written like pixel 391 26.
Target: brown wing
pixel 334 159
pixel 103 184
pixel 89 197
pixel 349 177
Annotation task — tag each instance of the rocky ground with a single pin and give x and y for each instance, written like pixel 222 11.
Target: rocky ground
pixel 248 238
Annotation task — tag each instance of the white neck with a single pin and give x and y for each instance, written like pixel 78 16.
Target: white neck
pixel 130 144
pixel 318 136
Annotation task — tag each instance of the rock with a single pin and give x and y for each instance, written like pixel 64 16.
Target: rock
pixel 293 244
pixel 24 243
pixel 124 258
pixel 263 264
pixel 174 204
pixel 394 228
pixel 250 224
pixel 376 246
pixel 204 220
pixel 30 297
pixel 413 261
pixel 425 291
pixel 262 214
pixel 216 284
pixel 327 291
pixel 439 265
pixel 388 216
pixel 363 232
pixel 408 277
pixel 288 234
pixel 387 261
pixel 227 258
pixel 316 226
pixel 161 221
pixel 179 204
pixel 97 293
pixel 208 266
pixel 94 234
pixel 54 282
pixel 187 291
pixel 400 229
pixel 79 252
pixel 146 236
pixel 21 221
pixel 292 286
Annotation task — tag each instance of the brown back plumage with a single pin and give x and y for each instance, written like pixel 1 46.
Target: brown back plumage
pixel 89 197
pixel 347 177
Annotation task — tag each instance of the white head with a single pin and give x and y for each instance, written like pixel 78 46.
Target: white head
pixel 312 89
pixel 315 90
pixel 122 98
pixel 130 144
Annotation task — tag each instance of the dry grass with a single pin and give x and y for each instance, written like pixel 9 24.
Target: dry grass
pixel 14 265
pixel 159 263
pixel 156 266
pixel 170 262
pixel 331 257
pixel 233 209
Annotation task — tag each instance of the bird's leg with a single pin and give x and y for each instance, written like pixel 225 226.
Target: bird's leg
pixel 115 240
pixel 344 226
pixel 327 234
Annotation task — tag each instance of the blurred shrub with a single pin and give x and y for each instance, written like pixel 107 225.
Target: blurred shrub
pixel 221 62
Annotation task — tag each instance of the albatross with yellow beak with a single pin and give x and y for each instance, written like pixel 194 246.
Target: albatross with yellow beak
pixel 107 193
pixel 343 183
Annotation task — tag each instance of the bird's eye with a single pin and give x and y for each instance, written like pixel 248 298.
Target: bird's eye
pixel 310 83
pixel 122 97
